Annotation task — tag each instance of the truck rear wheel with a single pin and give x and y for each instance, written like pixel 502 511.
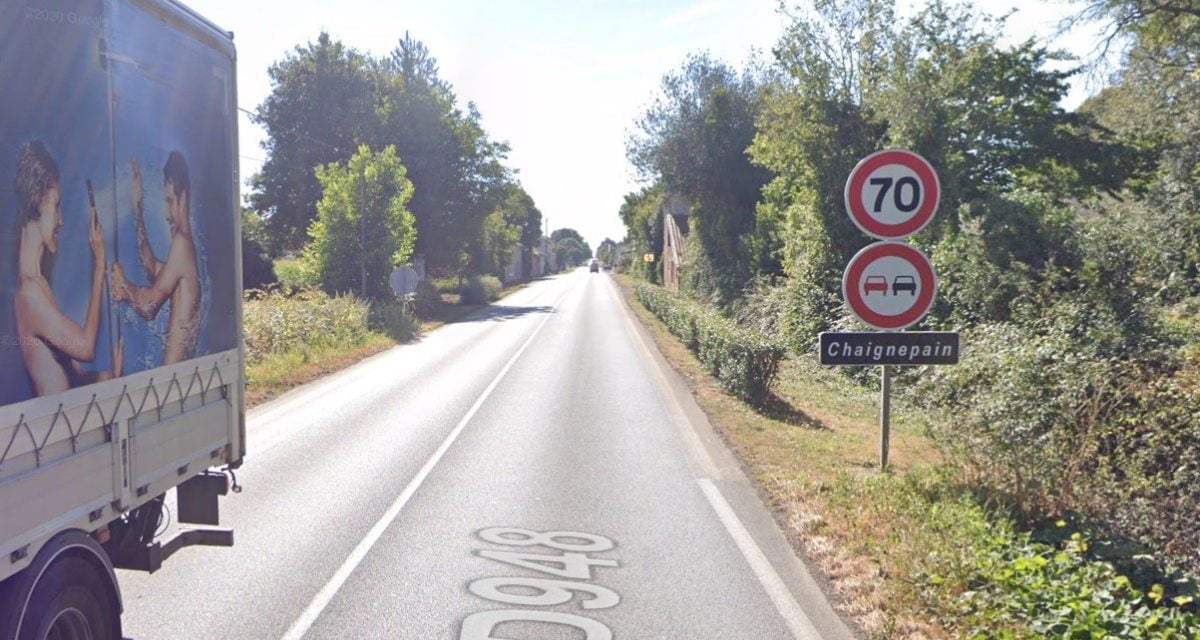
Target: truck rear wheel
pixel 69 603
pixel 68 591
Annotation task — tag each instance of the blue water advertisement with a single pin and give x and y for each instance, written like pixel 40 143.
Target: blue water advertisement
pixel 117 194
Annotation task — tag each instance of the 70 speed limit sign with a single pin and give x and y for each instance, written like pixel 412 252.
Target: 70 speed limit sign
pixel 892 194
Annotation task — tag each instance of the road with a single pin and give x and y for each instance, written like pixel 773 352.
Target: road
pixel 409 495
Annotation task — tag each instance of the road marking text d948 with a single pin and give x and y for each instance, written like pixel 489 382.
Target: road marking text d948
pixel 573 562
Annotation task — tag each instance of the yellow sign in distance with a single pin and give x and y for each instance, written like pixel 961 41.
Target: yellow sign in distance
pixel 649 257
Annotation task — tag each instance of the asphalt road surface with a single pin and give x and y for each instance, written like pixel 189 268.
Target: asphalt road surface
pixel 534 472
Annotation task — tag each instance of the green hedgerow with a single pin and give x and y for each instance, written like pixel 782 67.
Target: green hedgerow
pixel 743 361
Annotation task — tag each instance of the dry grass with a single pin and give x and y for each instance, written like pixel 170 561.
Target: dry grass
pixel 278 373
pixel 814 455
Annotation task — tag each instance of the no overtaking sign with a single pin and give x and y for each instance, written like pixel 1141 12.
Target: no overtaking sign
pixel 889 285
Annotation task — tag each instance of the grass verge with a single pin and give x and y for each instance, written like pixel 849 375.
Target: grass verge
pixel 280 372
pixel 307 360
pixel 916 552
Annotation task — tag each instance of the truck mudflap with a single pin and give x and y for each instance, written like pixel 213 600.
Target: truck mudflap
pixel 132 543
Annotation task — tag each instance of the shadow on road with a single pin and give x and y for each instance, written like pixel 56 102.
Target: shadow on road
pixel 503 312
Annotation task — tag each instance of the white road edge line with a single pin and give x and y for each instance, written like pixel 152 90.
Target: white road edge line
pixel 326 594
pixel 800 624
pixel 682 423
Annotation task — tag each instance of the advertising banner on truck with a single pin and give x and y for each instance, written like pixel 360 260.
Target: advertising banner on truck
pixel 117 195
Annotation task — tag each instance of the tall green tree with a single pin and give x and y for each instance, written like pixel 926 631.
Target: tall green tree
pixel 516 223
pixel 363 228
pixel 457 168
pixel 1154 105
pixel 693 140
pixel 569 247
pixel 328 98
pixel 816 123
pixel 321 107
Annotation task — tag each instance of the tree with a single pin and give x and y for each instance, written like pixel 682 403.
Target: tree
pixel 1154 106
pixel 327 99
pixel 457 169
pixel 815 125
pixel 322 105
pixel 641 212
pixel 571 252
pixel 607 251
pixel 363 229
pixel 693 140
pixel 988 116
pixel 522 224
pixel 569 247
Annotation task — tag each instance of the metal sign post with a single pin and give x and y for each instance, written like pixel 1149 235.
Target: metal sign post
pixel 885 416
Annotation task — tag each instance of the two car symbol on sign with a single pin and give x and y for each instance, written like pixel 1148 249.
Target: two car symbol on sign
pixel 879 284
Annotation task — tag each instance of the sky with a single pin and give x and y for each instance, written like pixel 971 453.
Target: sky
pixel 562 81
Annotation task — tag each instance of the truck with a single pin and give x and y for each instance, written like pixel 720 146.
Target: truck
pixel 121 356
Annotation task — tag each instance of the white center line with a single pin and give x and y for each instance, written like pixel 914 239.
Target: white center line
pixel 798 621
pixel 326 594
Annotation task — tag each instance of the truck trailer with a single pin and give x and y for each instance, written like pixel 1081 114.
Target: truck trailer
pixel 121 357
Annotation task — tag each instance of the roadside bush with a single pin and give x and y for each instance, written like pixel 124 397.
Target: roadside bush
pixel 743 361
pixel 394 318
pixel 427 300
pixel 277 321
pixel 291 272
pixel 1004 248
pixel 1069 413
pixel 1022 400
pixel 445 285
pixel 481 290
pixel 1145 483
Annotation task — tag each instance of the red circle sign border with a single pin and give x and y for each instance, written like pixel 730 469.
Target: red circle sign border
pixel 872 252
pixel 858 210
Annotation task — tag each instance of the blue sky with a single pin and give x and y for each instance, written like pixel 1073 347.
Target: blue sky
pixel 562 81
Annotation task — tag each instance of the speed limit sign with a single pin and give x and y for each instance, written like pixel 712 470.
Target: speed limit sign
pixel 892 194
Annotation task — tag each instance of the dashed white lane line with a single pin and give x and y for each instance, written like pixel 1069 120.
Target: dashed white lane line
pixel 326 594
pixel 798 621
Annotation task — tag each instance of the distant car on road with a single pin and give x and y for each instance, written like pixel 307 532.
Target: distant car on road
pixel 904 283
pixel 594 266
pixel 875 283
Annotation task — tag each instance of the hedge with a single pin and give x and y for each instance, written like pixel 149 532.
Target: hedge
pixel 743 361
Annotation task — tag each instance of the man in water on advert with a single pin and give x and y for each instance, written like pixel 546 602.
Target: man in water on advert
pixel 52 344
pixel 177 278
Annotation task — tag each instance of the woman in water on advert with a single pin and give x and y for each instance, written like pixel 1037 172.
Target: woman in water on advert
pixel 52 344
